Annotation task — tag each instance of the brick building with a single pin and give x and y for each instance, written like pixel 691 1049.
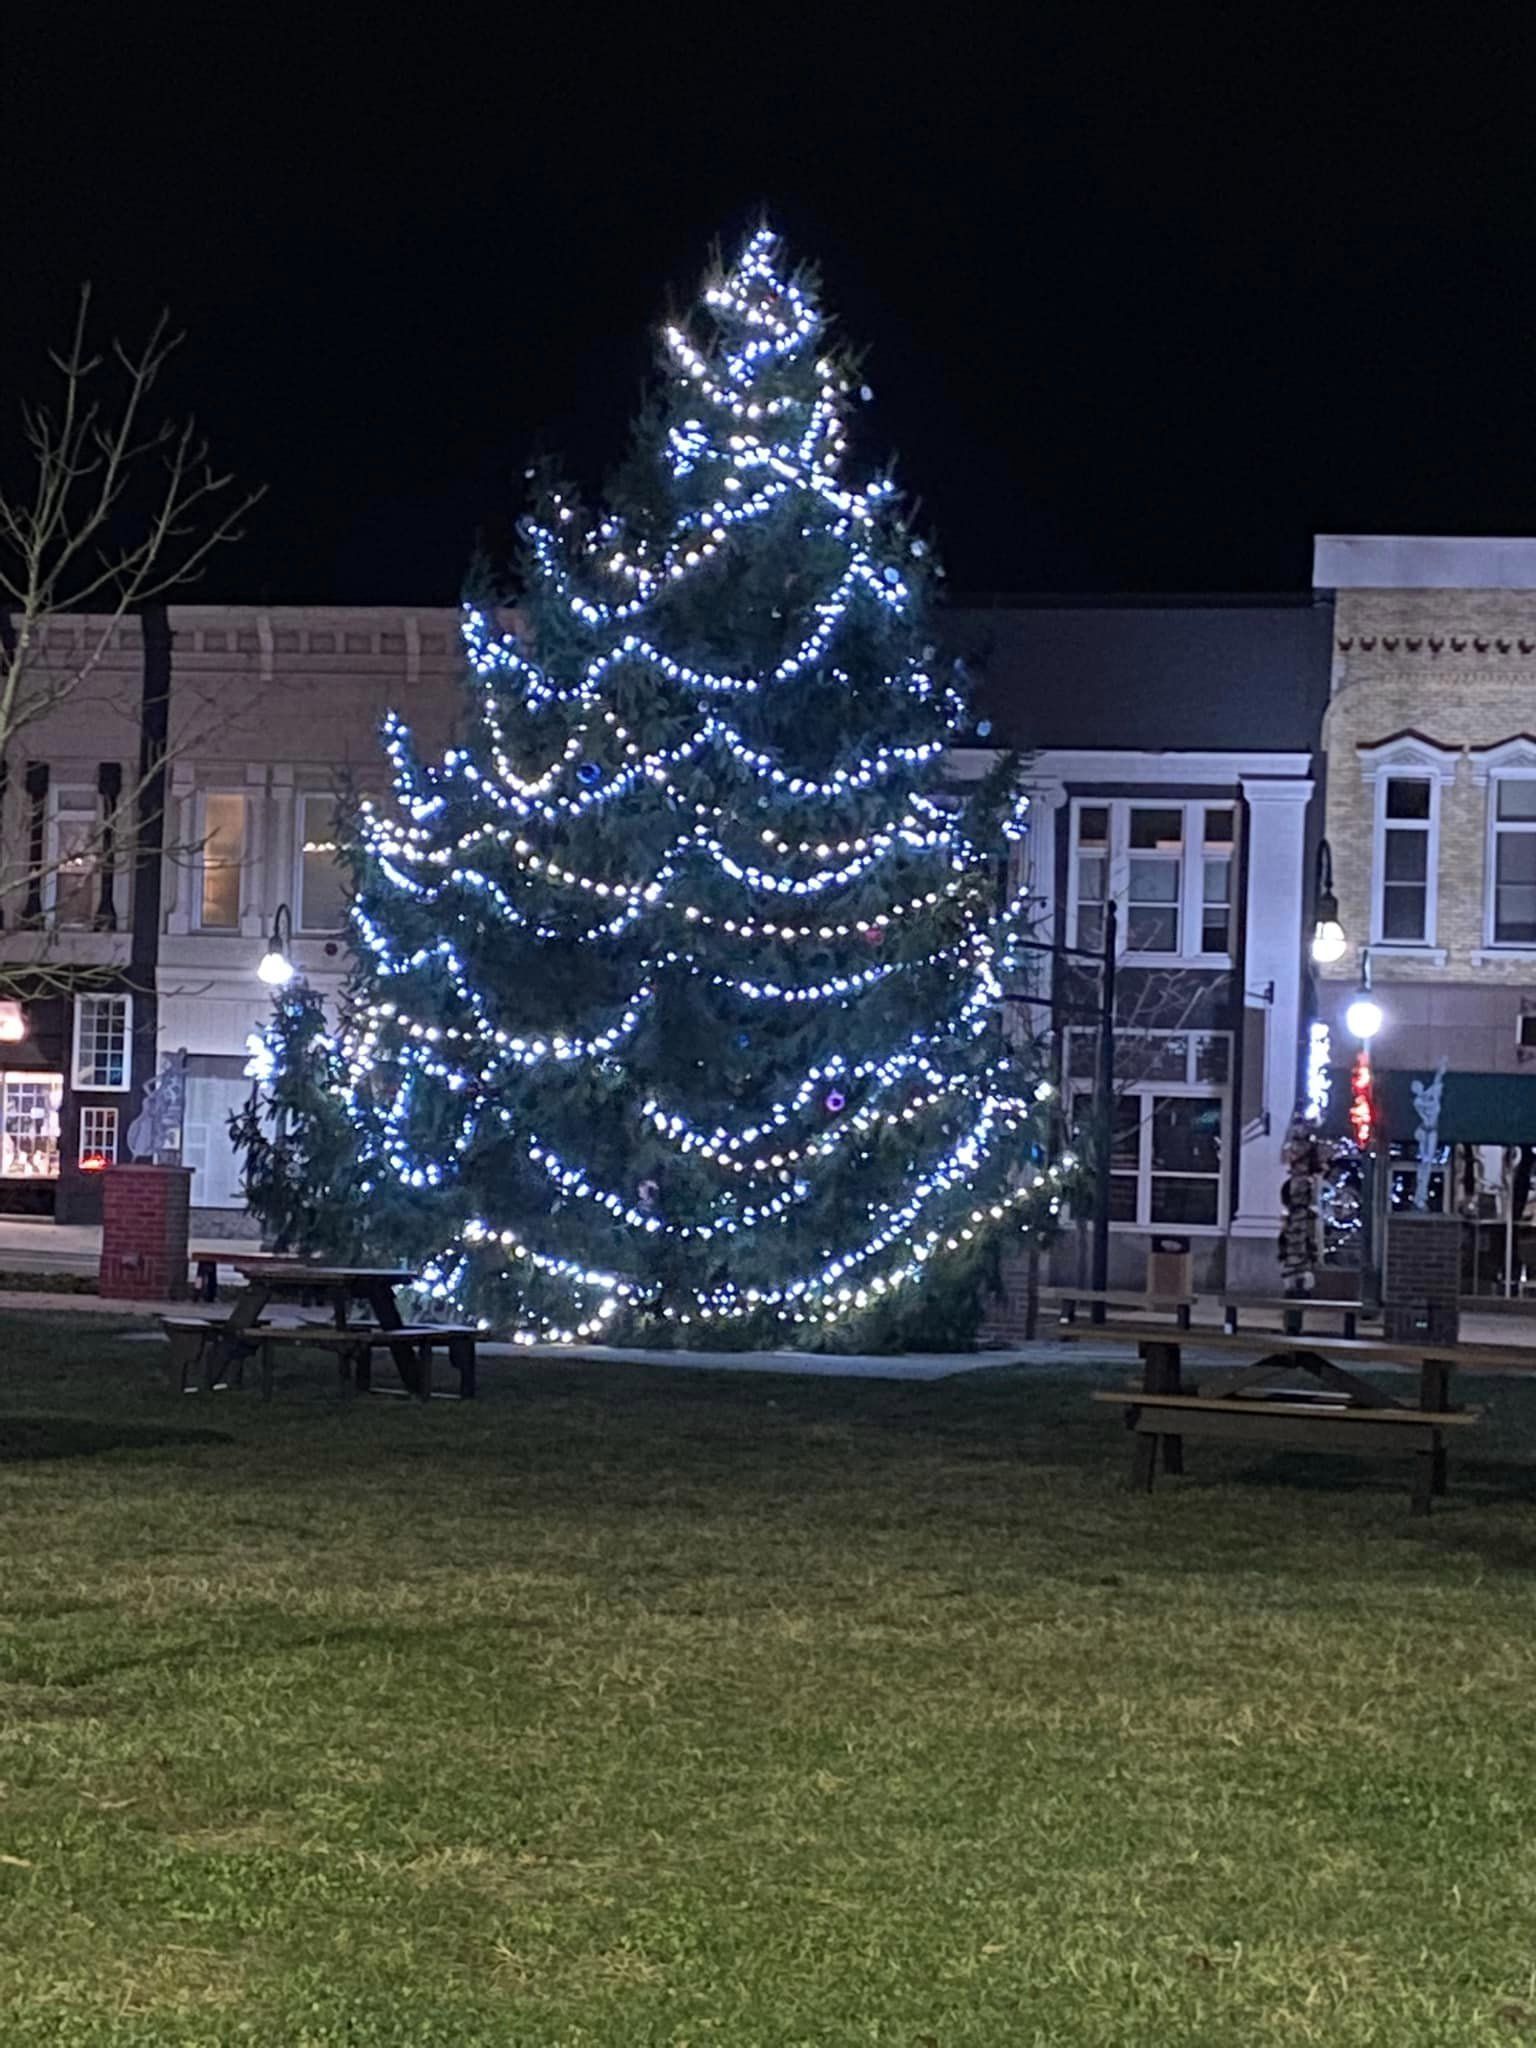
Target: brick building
pixel 1430 738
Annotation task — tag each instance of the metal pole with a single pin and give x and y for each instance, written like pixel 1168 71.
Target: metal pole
pixel 1104 1110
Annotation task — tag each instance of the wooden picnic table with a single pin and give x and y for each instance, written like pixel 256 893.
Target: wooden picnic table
pixel 207 1259
pixel 272 1279
pixel 1344 1412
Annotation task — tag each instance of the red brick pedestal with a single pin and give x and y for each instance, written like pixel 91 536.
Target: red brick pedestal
pixel 144 1232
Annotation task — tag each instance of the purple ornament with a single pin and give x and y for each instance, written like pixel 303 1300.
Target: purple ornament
pixel 836 1100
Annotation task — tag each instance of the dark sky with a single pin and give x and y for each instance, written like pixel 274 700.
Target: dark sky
pixel 1145 305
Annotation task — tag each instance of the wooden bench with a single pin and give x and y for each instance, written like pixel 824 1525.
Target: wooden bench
pixel 193 1338
pixel 1066 1300
pixel 1316 1425
pixel 1164 1410
pixel 1294 1311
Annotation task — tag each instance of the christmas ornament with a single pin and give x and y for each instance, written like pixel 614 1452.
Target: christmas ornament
pixel 836 1100
pixel 589 773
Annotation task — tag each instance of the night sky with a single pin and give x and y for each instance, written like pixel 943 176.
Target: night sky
pixel 1144 306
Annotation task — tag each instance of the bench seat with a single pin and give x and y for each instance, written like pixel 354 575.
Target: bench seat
pixel 190 1337
pixel 1317 1425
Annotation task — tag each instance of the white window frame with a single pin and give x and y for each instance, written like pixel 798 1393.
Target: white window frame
pixel 1190 1088
pixel 1406 757
pixel 1191 864
pixel 200 864
pixel 85 1084
pixel 1512 760
pixel 303 798
pixel 72 800
pixel 103 1117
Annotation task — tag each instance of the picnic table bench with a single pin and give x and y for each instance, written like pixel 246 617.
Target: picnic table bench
pixel 1339 1412
pixel 1294 1311
pixel 217 1347
pixel 1066 1301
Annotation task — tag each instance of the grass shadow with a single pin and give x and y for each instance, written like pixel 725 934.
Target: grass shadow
pixel 27 1438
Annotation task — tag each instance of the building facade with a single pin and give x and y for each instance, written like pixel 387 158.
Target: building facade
pixel 1430 737
pixel 1170 755
pixel 142 900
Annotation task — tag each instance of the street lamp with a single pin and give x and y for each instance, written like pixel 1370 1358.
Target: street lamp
pixel 1328 941
pixel 1363 1018
pixel 276 967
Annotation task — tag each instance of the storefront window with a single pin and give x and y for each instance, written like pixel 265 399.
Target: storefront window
pixel 29 1125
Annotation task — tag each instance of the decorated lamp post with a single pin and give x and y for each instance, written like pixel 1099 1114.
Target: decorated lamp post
pixel 1364 1021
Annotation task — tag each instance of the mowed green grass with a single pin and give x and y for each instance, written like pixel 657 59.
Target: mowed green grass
pixel 648 1707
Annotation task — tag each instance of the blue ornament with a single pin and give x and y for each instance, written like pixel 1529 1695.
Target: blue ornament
pixel 589 773
pixel 983 728
pixel 743 1038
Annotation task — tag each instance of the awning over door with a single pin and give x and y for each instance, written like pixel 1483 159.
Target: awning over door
pixel 1475 1109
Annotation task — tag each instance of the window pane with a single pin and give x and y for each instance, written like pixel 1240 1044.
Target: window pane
pixel 1090 878
pixel 1214 936
pixel 1151 829
pixel 102 1042
pixel 1154 881
pixel 1090 930
pixel 98 1137
pixel 1517 857
pixel 1152 931
pixel 1517 798
pixel 1125 1149
pixel 1218 828
pixel 1404 908
pixel 76 887
pixel 1213 1056
pixel 1408 798
pixel 1122 1198
pixel 1514 915
pixel 223 852
pixel 1184 1201
pixel 29 1126
pixel 1186 1134
pixel 1093 825
pixel 1407 856
pixel 322 883
pixel 1218 881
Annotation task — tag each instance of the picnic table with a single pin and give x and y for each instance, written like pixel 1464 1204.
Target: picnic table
pixel 220 1345
pixel 1338 1412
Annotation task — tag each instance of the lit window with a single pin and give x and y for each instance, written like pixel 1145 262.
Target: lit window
pixel 1169 1134
pixel 1168 865
pixel 1514 862
pixel 101 1041
pixel 1407 810
pixel 29 1126
pixel 1216 883
pixel 1092 861
pixel 223 850
pixel 98 1137
pixel 322 880
pixel 74 858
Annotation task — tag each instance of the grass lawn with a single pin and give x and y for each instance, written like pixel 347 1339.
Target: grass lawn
pixel 665 1708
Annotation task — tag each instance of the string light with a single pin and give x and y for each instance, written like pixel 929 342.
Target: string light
pixel 615 704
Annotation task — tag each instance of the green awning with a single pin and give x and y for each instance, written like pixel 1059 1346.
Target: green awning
pixel 1475 1109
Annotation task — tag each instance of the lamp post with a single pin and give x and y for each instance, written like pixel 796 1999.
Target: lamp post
pixel 1328 941
pixel 1102 1015
pixel 276 966
pixel 1363 1019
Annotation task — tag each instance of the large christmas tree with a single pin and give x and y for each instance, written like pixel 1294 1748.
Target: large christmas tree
pixel 680 1000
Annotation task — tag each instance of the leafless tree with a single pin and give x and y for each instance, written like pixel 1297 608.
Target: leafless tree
pixel 106 509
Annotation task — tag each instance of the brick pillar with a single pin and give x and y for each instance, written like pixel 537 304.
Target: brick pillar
pixel 144 1232
pixel 1421 1292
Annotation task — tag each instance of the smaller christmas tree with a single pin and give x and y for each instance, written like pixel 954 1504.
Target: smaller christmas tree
pixel 299 1141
